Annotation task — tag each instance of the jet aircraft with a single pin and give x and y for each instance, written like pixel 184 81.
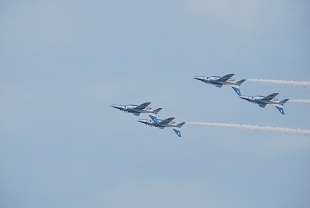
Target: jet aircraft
pixel 137 109
pixel 219 81
pixel 159 123
pixel 262 101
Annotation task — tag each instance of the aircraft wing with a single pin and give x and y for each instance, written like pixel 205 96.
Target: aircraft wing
pixel 142 106
pixel 270 97
pixel 262 105
pixel 218 85
pixel 225 78
pixel 166 121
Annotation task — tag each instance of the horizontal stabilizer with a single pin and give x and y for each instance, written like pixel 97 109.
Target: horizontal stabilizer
pixel 283 101
pixel 156 110
pixel 237 90
pixel 180 124
pixel 177 132
pixel 240 82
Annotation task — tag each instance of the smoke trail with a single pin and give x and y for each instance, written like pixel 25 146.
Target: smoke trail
pixel 300 101
pixel 281 82
pixel 254 128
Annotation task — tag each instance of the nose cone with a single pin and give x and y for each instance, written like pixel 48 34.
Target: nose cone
pixel 244 97
pixel 200 78
pixel 145 121
pixel 116 106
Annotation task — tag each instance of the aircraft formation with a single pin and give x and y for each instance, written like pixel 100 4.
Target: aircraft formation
pixel 217 81
pixel 260 100
pixel 159 123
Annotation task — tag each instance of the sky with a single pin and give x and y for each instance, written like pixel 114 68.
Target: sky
pixel 64 63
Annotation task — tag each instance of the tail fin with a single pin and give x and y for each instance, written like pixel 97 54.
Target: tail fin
pixel 283 101
pixel 181 124
pixel 280 109
pixel 177 132
pixel 240 82
pixel 156 110
pixel 154 118
pixel 237 90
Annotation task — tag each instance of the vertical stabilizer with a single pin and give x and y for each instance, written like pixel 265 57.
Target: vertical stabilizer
pixel 177 132
pixel 154 119
pixel 237 90
pixel 280 109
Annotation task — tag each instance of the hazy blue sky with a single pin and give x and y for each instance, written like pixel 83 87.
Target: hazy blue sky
pixel 63 63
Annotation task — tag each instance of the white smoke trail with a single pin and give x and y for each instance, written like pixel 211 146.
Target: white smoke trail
pixel 281 82
pixel 254 128
pixel 300 101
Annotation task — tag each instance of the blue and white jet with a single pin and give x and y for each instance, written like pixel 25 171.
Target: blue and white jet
pixel 159 123
pixel 262 101
pixel 219 81
pixel 137 109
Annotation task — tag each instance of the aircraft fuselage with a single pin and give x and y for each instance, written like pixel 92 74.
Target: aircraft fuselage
pixel 214 80
pixel 152 123
pixel 259 99
pixel 130 108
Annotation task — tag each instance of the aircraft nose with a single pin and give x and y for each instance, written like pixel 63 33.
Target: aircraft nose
pixel 115 106
pixel 198 78
pixel 143 121
pixel 243 97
